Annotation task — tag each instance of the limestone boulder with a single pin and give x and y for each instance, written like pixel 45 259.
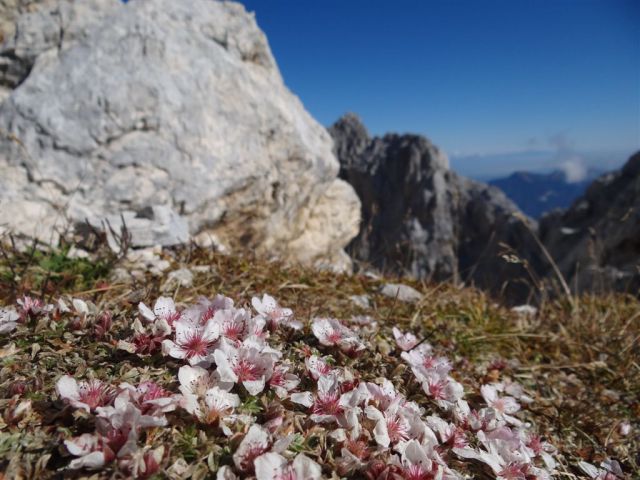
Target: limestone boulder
pixel 115 109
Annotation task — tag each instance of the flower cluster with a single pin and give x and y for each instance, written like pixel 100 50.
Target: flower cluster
pixel 121 414
pixel 419 428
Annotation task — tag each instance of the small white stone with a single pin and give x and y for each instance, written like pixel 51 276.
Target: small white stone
pixel 182 277
pixel 361 301
pixel 402 292
pixel 525 310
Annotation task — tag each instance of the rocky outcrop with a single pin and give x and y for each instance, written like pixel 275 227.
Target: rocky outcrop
pixel 422 219
pixel 596 242
pixel 403 184
pixel 125 108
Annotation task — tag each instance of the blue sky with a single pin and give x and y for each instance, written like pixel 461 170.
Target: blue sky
pixel 479 78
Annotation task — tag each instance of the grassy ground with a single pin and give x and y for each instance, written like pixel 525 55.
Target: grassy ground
pixel 580 362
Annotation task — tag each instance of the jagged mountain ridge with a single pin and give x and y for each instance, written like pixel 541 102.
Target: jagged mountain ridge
pixel 422 219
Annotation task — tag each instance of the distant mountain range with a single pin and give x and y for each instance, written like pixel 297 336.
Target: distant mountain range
pixel 537 193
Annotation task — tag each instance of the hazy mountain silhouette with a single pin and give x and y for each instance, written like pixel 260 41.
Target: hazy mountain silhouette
pixel 537 193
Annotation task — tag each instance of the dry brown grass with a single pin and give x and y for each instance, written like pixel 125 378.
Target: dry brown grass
pixel 580 364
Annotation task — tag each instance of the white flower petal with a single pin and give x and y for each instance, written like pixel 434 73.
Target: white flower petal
pixel 306 469
pixel 80 306
pixel 92 461
pixel 146 312
pixel 164 307
pixel 302 398
pixel 269 466
pixel 225 473
pixel 81 445
pixel 67 388
pixel 254 387
pixel 224 367
pixel 257 438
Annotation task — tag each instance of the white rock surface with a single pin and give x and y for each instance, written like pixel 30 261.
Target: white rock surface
pixel 403 293
pixel 163 104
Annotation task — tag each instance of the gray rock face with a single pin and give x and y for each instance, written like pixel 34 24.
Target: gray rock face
pixel 123 107
pixel 157 225
pixel 406 206
pixel 421 219
pixel 596 242
pixel 496 247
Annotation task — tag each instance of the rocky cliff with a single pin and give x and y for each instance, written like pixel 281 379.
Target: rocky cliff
pixel 422 219
pixel 596 242
pixel 171 114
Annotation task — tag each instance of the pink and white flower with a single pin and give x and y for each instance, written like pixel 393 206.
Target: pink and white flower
pixel 250 364
pixel 92 450
pixel 381 395
pixel 207 397
pixel 237 325
pixel 449 433
pixel 216 407
pixel 116 436
pixel 149 397
pixel 233 323
pixel 473 420
pixel 327 406
pixel 417 462
pixel 164 309
pixel 391 426
pixel 84 395
pixel 354 456
pixel 406 341
pixel 318 367
pixel 193 343
pixel 274 314
pixel 539 448
pixel 505 454
pixel 143 463
pixel 444 391
pixel 196 381
pixel 125 415
pixel 31 307
pixel 333 404
pixel 330 332
pixel 424 364
pixel 205 310
pixel 255 443
pixel 282 381
pixel 504 406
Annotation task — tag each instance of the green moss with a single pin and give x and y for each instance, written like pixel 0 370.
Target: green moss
pixel 251 406
pixel 50 270
pixel 81 273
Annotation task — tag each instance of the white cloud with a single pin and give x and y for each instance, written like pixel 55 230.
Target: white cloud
pixel 566 159
pixel 574 169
